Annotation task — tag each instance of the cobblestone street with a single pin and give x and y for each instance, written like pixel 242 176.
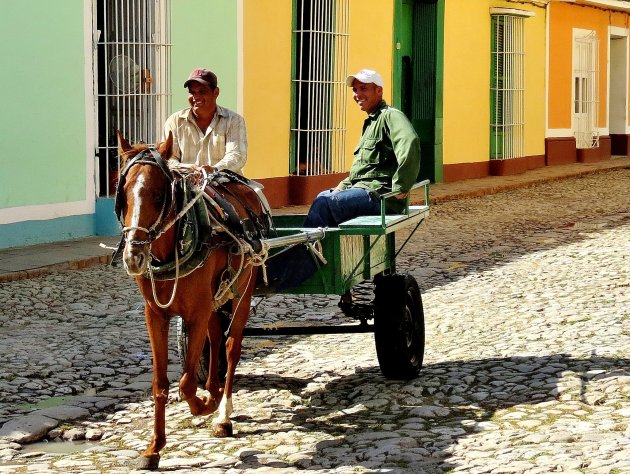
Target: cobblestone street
pixel 526 370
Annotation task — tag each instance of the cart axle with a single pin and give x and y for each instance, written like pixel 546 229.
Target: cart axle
pixel 305 330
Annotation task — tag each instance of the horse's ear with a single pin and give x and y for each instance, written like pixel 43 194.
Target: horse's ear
pixel 123 144
pixel 165 149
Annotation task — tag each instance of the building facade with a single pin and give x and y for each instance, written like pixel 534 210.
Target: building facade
pixel 492 87
pixel 587 72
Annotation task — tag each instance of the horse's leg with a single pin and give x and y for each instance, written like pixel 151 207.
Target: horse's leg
pixel 221 424
pixel 213 384
pixel 197 330
pixel 157 327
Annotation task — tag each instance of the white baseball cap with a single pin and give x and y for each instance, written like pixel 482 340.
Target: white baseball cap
pixel 366 76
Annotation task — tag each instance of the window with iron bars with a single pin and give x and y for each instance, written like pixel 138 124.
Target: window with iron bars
pixel 132 78
pixel 507 89
pixel 585 89
pixel 320 45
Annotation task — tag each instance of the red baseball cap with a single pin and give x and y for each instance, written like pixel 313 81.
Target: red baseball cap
pixel 203 76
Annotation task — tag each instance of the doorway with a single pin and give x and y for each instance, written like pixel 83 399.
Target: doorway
pixel 418 76
pixel 618 99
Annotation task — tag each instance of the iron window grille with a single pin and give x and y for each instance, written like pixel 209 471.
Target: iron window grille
pixel 132 80
pixel 507 90
pixel 320 44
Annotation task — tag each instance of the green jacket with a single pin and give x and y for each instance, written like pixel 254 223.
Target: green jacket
pixel 387 157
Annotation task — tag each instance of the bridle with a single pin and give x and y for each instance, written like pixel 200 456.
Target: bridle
pixel 149 156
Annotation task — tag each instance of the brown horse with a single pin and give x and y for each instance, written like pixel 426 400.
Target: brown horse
pixel 148 203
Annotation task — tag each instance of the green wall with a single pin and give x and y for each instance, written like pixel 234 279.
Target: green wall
pixel 42 89
pixel 203 34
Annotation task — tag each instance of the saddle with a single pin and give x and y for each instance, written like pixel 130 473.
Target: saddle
pixel 208 218
pixel 198 227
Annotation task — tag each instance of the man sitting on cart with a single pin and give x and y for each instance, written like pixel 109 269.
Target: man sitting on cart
pixel 386 159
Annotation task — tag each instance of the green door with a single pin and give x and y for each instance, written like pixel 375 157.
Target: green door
pixel 418 43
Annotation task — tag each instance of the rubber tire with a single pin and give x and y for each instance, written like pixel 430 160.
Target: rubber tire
pixel 398 326
pixel 204 360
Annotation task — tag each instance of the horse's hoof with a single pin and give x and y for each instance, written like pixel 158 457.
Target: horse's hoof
pixel 222 430
pixel 149 463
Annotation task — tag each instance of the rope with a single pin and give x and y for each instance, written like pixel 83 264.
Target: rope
pixel 260 259
pixel 164 229
pixel 191 203
pixel 227 331
pixel 254 260
pixel 155 298
pixel 223 293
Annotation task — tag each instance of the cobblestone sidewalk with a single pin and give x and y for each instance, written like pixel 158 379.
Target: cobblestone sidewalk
pixel 527 305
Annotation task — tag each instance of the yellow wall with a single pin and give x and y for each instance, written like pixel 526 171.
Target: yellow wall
pixel 267 26
pixel 369 19
pixel 563 18
pixel 467 27
pixel 466 135
pixel 535 78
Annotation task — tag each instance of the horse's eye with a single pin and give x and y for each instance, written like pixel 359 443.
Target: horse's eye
pixel 158 198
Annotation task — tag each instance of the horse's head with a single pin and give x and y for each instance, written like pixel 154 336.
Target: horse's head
pixel 144 199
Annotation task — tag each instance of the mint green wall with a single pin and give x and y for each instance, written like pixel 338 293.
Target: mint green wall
pixel 42 118
pixel 203 34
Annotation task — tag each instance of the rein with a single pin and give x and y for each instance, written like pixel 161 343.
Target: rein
pixel 153 232
pixel 158 228
pixel 151 157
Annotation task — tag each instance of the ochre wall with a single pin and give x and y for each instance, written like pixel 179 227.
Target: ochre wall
pixel 563 19
pixel 267 27
pixel 467 30
pixel 535 95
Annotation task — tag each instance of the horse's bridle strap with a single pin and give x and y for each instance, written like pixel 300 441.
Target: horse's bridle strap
pixel 149 232
pixel 154 160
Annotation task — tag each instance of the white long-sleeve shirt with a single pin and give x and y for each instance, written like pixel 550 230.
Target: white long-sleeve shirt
pixel 224 145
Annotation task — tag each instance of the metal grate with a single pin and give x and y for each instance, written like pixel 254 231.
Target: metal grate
pixel 585 91
pixel 132 80
pixel 507 138
pixel 318 134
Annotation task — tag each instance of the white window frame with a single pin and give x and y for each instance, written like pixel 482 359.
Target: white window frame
pixel 507 127
pixel 318 132
pixel 585 88
pixel 138 33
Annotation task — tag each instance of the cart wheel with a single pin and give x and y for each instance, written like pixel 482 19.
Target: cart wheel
pixel 204 360
pixel 398 326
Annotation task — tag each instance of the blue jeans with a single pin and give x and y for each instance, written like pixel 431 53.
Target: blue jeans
pixel 288 269
pixel 331 208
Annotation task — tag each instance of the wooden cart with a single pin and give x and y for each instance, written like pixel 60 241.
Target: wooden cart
pixel 358 251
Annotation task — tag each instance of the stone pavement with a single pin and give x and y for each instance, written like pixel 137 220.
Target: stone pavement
pixel 526 364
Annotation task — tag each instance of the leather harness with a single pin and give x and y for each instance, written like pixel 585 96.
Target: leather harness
pixel 195 227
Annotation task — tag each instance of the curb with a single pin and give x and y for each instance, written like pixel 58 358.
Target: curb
pixel 498 188
pixel 485 189
pixel 70 265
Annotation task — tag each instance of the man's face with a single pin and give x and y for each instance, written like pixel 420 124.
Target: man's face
pixel 367 96
pixel 201 98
